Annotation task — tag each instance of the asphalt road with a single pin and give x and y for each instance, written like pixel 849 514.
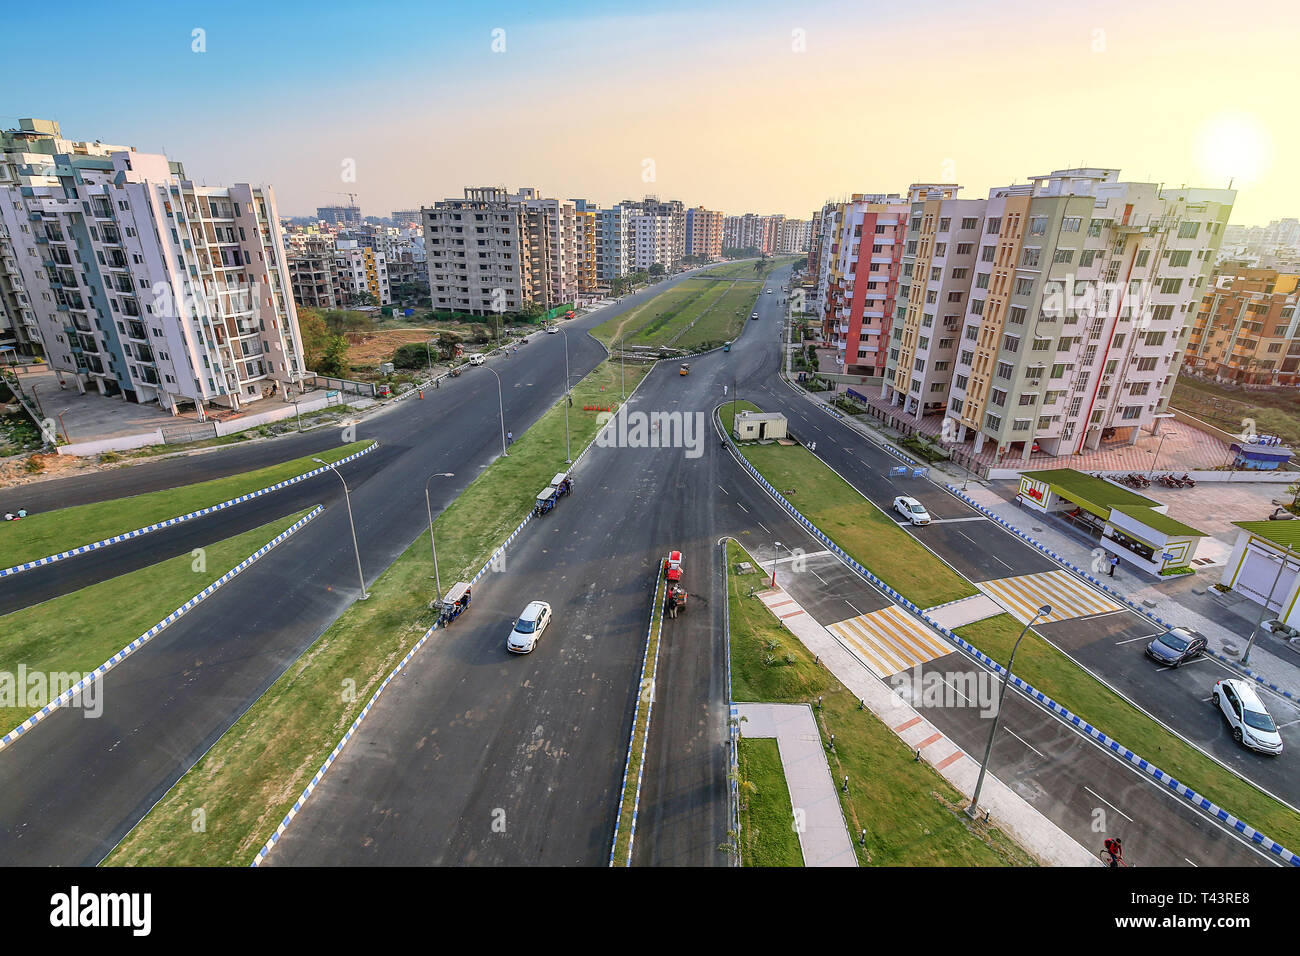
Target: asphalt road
pixel 84 785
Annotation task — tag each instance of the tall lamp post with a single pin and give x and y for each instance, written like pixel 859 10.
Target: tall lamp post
pixel 1157 456
pixel 568 454
pixel 997 716
pixel 437 582
pixel 776 554
pixel 1287 554
pixel 347 498
pixel 502 406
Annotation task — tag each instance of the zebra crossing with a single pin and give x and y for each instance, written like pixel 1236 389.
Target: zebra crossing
pixel 1065 594
pixel 890 640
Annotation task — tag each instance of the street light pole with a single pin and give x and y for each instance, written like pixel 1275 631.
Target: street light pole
pixel 1006 679
pixel 775 555
pixel 347 498
pixel 1157 457
pixel 1245 657
pixel 502 406
pixel 437 581
pixel 568 454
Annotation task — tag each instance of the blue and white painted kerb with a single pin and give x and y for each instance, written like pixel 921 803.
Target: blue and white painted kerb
pixel 150 634
pixel 4 572
pixel 1099 583
pixel 654 629
pixel 1255 837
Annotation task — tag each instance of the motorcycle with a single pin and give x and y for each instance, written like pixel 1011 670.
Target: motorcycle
pixel 1188 481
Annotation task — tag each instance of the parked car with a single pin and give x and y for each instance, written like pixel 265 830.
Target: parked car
pixel 911 509
pixel 1176 646
pixel 551 330
pixel 528 628
pixel 754 316
pixel 1250 723
pixel 477 360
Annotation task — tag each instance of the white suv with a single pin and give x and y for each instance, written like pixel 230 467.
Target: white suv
pixel 1250 723
pixel 476 360
pixel 529 627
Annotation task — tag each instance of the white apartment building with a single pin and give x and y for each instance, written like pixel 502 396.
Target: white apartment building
pixel 657 233
pixel 362 271
pixel 554 245
pixel 148 286
pixel 613 241
pixel 1077 314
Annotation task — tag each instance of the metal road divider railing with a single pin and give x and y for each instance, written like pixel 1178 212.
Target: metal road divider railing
pixel 153 632
pixel 1073 720
pixel 644 700
pixel 28 565
pixel 1102 585
pixel 338 748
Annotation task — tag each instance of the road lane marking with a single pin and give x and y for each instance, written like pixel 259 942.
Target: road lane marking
pixel 1134 639
pixel 763 526
pixel 955 520
pixel 742 507
pixel 1026 743
pixel 724 491
pixel 1108 803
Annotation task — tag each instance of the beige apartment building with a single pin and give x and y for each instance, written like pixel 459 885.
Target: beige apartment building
pixel 478 252
pixel 1246 330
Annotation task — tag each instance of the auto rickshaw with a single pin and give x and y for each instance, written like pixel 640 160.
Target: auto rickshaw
pixel 546 500
pixel 673 567
pixel 562 483
pixel 674 601
pixel 454 603
pixel 684 370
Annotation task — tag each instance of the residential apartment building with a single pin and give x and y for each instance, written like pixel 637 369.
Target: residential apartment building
pixel 148 286
pixel 1246 330
pixel 657 233
pixel 703 232
pixel 339 215
pixel 29 149
pixel 939 253
pixel 861 283
pixel 1077 315
pixel 363 272
pixel 613 243
pixel 478 252
pixel 794 237
pixel 312 275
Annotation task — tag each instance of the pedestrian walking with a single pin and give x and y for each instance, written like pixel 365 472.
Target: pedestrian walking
pixel 510 438
pixel 1114 560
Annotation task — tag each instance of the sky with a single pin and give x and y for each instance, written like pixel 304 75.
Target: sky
pixel 757 107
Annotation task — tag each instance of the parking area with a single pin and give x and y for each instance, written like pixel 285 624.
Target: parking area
pixel 89 417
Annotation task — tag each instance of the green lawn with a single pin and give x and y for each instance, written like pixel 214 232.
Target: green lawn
pixel 52 532
pixel 81 630
pixel 767 836
pixel 857 526
pixel 253 774
pixel 913 817
pixel 724 320
pixel 658 308
pixel 744 269
pixel 1060 678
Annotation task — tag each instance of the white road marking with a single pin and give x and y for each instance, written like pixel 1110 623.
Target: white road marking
pixel 1131 640
pixel 1109 804
pixel 855 610
pixel 764 527
pixel 1289 723
pixel 742 507
pixel 955 520
pixel 724 490
pixel 1193 864
pixel 820 578
pixel 1025 742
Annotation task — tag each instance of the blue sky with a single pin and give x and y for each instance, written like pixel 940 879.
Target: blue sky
pixel 716 96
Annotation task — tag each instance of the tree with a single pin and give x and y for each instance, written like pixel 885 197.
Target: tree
pixel 448 341
pixel 411 355
pixel 657 269
pixel 334 361
pixel 315 336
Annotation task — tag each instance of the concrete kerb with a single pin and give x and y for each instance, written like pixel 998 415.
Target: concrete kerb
pixel 153 632
pixel 1116 748
pixel 410 655
pixel 654 631
pixel 1101 585
pixel 733 716
pixel 28 565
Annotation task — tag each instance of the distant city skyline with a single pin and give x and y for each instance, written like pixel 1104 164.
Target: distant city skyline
pixel 773 109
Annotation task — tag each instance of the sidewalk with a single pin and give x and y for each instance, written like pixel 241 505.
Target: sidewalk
pixel 824 837
pixel 1181 601
pixel 1007 809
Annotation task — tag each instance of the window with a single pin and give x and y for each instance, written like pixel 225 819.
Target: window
pixel 956 405
pixel 982 280
pixel 998 396
pixel 1063 255
pixel 1139 388
pixel 1006 370
pixel 965 248
pixel 1011 343
pixel 994 422
pixel 1020 425
pixel 945 224
pixel 959 273
pixel 969 222
pixel 1016 315
pixel 986 253
pixel 1188 230
pixel 1058 371
pixel 1071 224
pixel 1029 257
pixel 1086 257
pixel 1181 257
pixel 1024 286
pixel 1131 412
pixel 960 381
pixel 1142 257
pixel 967 357
pixel 976 307
pixel 1155 338
pixel 954 296
pixel 941 249
pixel 1038 225
pixel 1042 345
pixel 972 332
pixel 1162 312
pixel 1145 364
pixel 993 226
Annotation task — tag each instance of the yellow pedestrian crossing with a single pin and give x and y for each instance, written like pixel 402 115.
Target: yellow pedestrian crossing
pixel 890 640
pixel 1066 595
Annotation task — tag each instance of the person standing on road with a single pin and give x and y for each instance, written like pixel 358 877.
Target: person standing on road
pixel 510 438
pixel 1114 560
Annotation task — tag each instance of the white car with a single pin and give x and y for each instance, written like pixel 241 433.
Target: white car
pixel 911 509
pixel 1249 721
pixel 529 627
pixel 754 316
pixel 551 330
pixel 769 291
pixel 477 360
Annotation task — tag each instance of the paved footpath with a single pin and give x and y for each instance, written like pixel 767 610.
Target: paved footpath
pixel 1007 809
pixel 1225 627
pixel 824 837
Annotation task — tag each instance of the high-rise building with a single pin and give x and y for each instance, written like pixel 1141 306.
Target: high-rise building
pixel 1246 330
pixel 703 232
pixel 613 243
pixel 553 245
pixel 146 285
pixel 1076 317
pixel 478 253
pixel 586 245
pixel 657 233
pixel 861 284
pixel 339 215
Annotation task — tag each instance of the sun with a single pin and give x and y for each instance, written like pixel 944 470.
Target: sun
pixel 1232 146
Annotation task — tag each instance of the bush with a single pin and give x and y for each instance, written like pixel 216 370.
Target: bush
pixel 109 457
pixel 34 465
pixel 411 355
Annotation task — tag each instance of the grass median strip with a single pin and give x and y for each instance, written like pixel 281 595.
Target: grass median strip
pixel 251 776
pixel 1060 678
pixel 76 632
pixel 767 830
pixel 912 816
pixel 872 537
pixel 52 532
